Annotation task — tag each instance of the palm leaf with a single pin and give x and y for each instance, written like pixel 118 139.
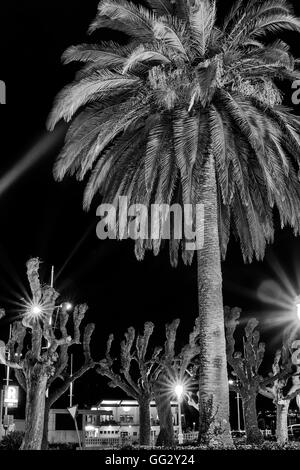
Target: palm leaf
pixel 100 83
pixel 141 54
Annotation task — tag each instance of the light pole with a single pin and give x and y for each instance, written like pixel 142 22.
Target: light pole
pixel 7 370
pixel 232 382
pixel 1 411
pixel 71 384
pixel 179 393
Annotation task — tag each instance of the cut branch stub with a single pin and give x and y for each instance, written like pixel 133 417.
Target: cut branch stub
pixel 78 316
pixel 171 331
pixel 33 265
pixel 126 346
pixel 142 341
pixel 88 331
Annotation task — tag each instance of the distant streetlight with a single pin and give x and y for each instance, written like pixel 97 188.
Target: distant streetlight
pixel 179 391
pixel 66 305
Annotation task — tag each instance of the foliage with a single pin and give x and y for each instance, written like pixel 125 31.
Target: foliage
pixel 12 441
pixel 147 115
pixel 66 446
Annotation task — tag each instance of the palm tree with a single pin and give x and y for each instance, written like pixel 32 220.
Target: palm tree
pixel 189 111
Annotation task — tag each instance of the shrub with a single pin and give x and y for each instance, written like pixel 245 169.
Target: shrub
pixel 12 441
pixel 64 446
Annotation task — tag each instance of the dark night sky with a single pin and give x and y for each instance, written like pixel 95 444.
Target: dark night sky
pixel 40 217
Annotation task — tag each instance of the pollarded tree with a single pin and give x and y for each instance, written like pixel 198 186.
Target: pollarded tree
pixel 283 383
pixel 174 366
pixel 246 367
pixel 145 376
pixel 61 379
pixel 135 372
pixel 189 112
pixel 35 367
pixel 38 353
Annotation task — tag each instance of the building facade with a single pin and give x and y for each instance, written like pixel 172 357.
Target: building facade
pixel 120 420
pixel 111 423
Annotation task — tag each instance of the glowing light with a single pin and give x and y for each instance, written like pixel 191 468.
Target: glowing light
pixel 36 310
pixel 33 311
pixel 126 408
pixel 231 382
pixel 90 428
pixel 298 311
pixel 179 390
pixel 68 306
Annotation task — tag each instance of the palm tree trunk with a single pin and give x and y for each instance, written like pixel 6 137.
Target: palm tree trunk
pixel 145 424
pixel 213 380
pixel 281 422
pixel 253 434
pixel 35 407
pixel 163 406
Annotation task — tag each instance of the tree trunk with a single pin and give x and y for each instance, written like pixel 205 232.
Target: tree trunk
pixel 145 424
pixel 36 382
pixel 253 434
pixel 163 406
pixel 45 443
pixel 213 380
pixel 281 422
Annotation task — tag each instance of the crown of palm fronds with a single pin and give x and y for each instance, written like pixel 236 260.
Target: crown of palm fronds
pixel 147 115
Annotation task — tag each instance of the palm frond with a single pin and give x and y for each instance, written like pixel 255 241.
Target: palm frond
pixel 141 54
pixel 160 7
pixel 202 20
pixel 169 34
pixel 218 148
pixel 246 16
pixel 100 83
pixel 154 144
pixel 135 21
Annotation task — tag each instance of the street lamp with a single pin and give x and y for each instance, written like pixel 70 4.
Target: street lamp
pixel 67 305
pixel 179 390
pixel 36 310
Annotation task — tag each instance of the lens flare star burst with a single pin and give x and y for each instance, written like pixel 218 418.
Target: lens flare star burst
pixel 34 311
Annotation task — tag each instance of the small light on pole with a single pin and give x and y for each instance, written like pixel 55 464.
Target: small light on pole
pixel 179 390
